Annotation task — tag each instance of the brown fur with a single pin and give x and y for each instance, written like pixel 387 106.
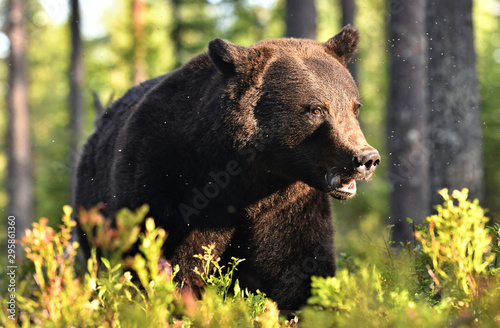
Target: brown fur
pixel 233 148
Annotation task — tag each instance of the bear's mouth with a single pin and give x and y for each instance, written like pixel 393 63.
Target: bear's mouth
pixel 340 187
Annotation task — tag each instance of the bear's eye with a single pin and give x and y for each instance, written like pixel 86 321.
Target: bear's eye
pixel 316 110
pixel 356 109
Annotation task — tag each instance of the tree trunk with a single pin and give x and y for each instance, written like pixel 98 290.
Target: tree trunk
pixel 76 105
pixel 348 14
pixel 176 31
pixel 407 119
pixel 301 19
pixel 138 24
pixel 454 117
pixel 20 168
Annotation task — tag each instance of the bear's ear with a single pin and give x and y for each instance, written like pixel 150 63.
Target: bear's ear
pixel 226 56
pixel 345 44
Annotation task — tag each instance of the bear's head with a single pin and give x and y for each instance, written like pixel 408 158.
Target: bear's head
pixel 296 102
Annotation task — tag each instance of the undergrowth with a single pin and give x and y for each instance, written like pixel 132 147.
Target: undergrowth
pixel 450 277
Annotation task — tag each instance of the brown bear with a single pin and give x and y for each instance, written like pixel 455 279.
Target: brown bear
pixel 241 147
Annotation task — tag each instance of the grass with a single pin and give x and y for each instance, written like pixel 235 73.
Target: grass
pixel 451 277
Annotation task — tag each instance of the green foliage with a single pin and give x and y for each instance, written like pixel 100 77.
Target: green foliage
pixel 110 295
pixel 49 110
pixel 49 299
pixel 450 278
pixel 113 239
pixel 219 280
pixel 109 59
pixel 495 245
pixel 212 273
pixel 245 23
pixel 487 42
pixel 457 243
pixel 362 299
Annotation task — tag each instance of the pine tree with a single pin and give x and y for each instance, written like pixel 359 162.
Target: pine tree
pixel 301 19
pixel 407 118
pixel 454 118
pixel 19 167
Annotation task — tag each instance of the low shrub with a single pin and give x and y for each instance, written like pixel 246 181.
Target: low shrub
pixel 450 277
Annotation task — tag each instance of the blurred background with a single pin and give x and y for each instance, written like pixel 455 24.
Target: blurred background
pixel 428 74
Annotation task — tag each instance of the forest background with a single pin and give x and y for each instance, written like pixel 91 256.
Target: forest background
pixel 142 39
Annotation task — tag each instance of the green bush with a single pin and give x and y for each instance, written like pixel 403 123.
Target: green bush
pixel 451 277
pixel 458 244
pixel 109 295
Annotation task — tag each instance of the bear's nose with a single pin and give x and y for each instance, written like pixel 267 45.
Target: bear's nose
pixel 367 161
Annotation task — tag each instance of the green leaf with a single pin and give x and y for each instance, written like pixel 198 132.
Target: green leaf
pixel 106 263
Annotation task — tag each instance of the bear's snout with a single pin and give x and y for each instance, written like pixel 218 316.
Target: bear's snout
pixel 367 162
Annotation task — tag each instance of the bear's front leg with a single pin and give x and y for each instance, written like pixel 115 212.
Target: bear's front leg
pixel 192 244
